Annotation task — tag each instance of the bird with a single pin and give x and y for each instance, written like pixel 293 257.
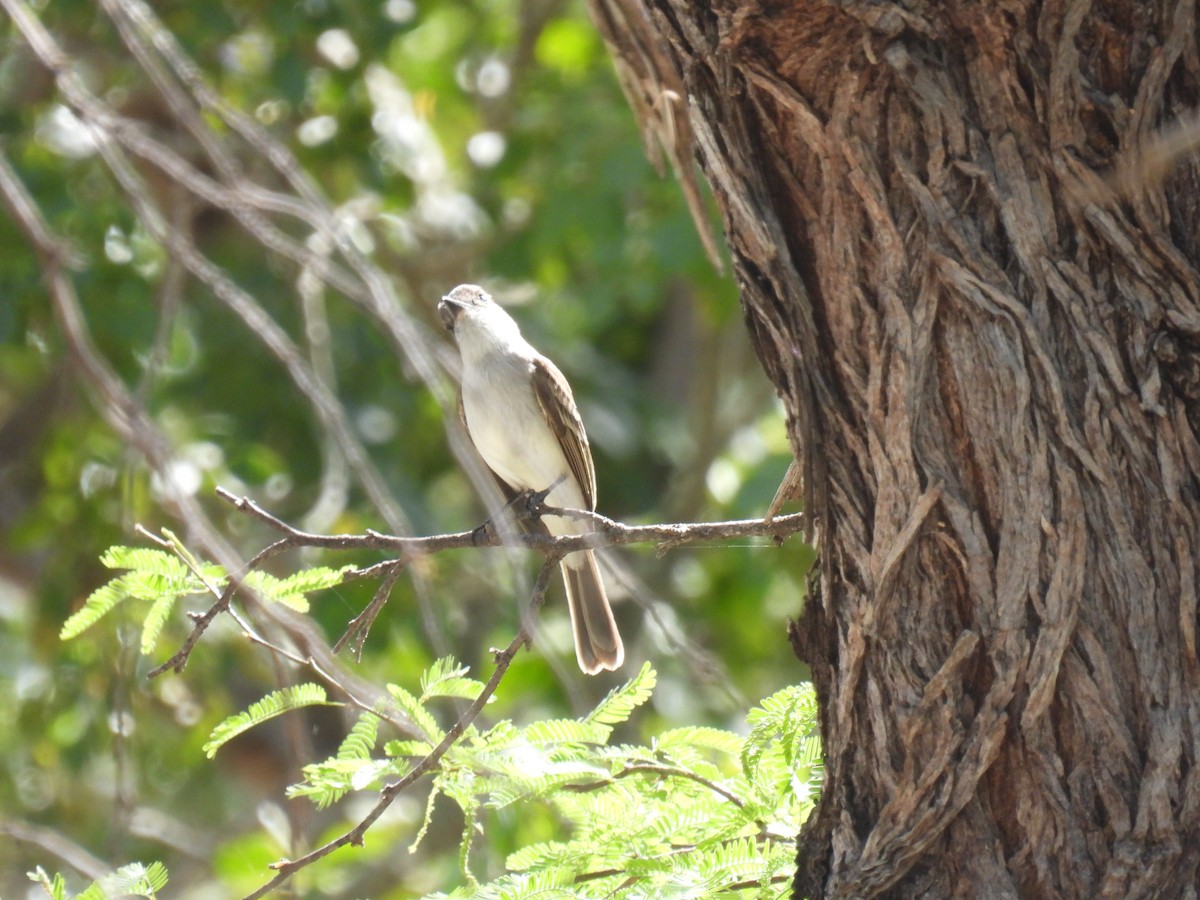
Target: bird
pixel 521 416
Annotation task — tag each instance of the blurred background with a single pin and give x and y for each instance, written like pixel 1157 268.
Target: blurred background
pixel 451 142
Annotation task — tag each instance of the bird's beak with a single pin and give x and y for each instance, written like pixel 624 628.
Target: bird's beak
pixel 449 309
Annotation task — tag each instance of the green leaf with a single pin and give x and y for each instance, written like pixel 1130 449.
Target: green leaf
pixel 541 855
pixel 542 778
pixel 720 866
pixel 327 782
pixel 99 603
pixel 421 717
pixel 319 578
pixel 788 716
pixel 270 706
pixel 360 742
pixel 155 619
pixel 56 887
pixel 620 703
pixel 439 785
pixel 144 559
pixel 557 883
pixel 138 879
pixel 698 737
pixel 291 591
pixel 565 731
pixel 407 748
pixel 133 880
pixel 154 575
pixel 445 678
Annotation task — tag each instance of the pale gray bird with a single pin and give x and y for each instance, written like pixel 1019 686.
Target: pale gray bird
pixel 523 420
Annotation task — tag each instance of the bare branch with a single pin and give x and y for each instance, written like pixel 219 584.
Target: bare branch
pixel 607 533
pixel 224 597
pixel 75 856
pixel 360 625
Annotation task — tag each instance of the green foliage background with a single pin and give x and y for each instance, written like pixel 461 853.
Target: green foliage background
pixel 570 225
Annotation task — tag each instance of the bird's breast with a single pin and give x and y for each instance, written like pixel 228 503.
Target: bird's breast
pixel 511 433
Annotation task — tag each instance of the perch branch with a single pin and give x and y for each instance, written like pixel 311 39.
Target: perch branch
pixel 607 533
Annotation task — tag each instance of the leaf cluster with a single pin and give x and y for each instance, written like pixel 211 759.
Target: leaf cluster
pixel 132 880
pixel 161 578
pixel 695 812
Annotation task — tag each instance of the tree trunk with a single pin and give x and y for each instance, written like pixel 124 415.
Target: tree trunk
pixel 969 263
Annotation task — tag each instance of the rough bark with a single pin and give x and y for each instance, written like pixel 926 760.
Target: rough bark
pixel 989 361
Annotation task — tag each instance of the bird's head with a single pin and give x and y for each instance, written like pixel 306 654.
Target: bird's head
pixel 477 321
pixel 465 302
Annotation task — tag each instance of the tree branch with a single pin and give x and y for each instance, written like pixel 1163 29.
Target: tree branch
pixel 607 533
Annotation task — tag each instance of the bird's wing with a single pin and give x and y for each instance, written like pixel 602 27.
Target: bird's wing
pixel 554 396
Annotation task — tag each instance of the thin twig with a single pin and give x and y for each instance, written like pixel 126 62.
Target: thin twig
pixel 224 597
pixel 360 625
pixel 607 533
pixel 58 844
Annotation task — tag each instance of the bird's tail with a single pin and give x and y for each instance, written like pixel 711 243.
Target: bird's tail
pixel 597 642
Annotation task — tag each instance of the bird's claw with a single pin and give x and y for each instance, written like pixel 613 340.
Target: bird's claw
pixel 533 502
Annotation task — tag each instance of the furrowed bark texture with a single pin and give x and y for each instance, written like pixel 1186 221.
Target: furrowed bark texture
pixel 990 367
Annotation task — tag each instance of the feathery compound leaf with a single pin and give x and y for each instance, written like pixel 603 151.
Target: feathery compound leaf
pixel 545 884
pixel 470 810
pixel 273 704
pixel 446 678
pixel 701 738
pixel 731 863
pixel 327 782
pixel 292 591
pixel 154 575
pixel 360 742
pixel 565 731
pixel 56 887
pixel 620 703
pixel 443 667
pixel 420 716
pixel 99 603
pixel 155 620
pixel 532 776
pixel 133 880
pixel 644 822
pixel 541 855
pixel 788 716
pixel 407 748
pixel 144 559
pixel 319 578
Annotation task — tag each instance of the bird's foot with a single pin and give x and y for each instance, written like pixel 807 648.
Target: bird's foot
pixel 534 502
pixel 526 506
